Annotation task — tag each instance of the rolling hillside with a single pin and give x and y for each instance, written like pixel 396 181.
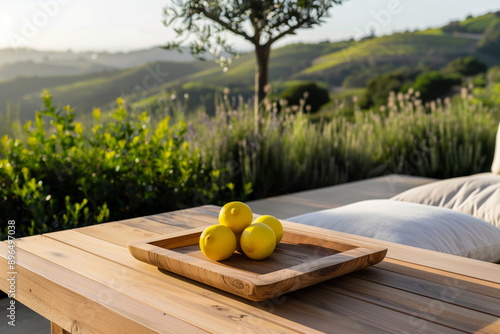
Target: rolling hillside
pixel 353 63
pixel 348 64
pixel 96 89
pixel 48 69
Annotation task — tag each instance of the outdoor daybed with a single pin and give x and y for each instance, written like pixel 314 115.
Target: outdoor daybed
pixel 459 216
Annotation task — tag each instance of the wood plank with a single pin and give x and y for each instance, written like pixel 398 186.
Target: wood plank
pixel 371 318
pixel 439 310
pixel 186 219
pixel 284 309
pixel 447 290
pixel 179 303
pixel 440 277
pixel 287 308
pixel 119 254
pixel 78 304
pixel 152 226
pixel 283 271
pixel 446 262
pixel 54 329
pixel 117 233
pixel 423 257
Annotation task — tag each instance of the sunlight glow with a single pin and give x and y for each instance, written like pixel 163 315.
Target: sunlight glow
pixel 6 26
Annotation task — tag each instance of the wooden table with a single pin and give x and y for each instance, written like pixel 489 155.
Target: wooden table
pixel 86 281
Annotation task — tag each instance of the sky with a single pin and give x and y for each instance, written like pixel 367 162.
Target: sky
pixel 124 25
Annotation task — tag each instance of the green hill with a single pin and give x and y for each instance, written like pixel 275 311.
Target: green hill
pixel 473 25
pixel 84 92
pixel 284 62
pixel 350 64
pixel 407 46
pixel 30 68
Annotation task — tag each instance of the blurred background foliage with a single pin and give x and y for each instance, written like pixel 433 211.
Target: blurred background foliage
pixel 185 134
pixel 62 173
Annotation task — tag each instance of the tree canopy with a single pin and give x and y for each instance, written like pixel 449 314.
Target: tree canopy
pixel 260 22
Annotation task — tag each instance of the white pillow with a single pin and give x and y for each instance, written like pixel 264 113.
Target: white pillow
pixel 476 195
pixel 495 168
pixel 418 225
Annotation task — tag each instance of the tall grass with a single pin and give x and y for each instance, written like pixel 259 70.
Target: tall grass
pixel 291 153
pixel 132 163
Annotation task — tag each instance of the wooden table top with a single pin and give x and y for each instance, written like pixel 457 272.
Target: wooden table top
pixel 86 281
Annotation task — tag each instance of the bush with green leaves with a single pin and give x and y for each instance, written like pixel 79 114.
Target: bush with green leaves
pixel 378 89
pixel 67 176
pixel 288 152
pixel 467 66
pixel 489 92
pixel 126 166
pixel 310 93
pixel 434 84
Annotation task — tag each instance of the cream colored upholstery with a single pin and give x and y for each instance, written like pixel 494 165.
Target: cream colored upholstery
pixel 412 224
pixel 495 168
pixel 476 195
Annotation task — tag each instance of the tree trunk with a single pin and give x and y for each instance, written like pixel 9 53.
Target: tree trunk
pixel 261 71
pixel 261 78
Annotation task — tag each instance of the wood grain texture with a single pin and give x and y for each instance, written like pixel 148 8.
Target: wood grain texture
pixel 118 233
pixel 288 310
pixel 54 329
pixel 78 304
pixel 300 260
pixel 218 299
pixel 86 281
pixel 468 283
pixel 445 310
pixel 134 286
pixel 448 290
pixel 441 261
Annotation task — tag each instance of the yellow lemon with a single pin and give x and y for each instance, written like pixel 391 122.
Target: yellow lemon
pixel 258 241
pixel 273 223
pixel 217 242
pixel 236 216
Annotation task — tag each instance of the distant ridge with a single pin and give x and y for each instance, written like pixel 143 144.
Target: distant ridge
pixel 87 80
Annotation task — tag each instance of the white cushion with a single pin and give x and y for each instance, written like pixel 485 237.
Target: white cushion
pixel 418 225
pixel 495 168
pixel 476 195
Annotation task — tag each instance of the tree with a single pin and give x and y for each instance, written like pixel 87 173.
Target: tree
pixel 314 96
pixel 378 88
pixel 466 66
pixel 434 84
pixel 260 22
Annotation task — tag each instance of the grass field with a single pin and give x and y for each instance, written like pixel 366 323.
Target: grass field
pixel 400 45
pixel 477 25
pixel 349 64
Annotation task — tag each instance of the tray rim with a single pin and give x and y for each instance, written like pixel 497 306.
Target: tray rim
pixel 170 260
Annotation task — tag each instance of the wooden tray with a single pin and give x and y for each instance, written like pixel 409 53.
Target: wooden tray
pixel 304 257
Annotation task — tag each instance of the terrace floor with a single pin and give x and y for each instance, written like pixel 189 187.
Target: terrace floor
pixel 282 207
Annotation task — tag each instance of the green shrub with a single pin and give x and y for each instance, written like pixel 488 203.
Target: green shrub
pixel 290 153
pixel 312 95
pixel 378 89
pixel 454 26
pixel 434 84
pixel 123 166
pixel 466 66
pixel 65 177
